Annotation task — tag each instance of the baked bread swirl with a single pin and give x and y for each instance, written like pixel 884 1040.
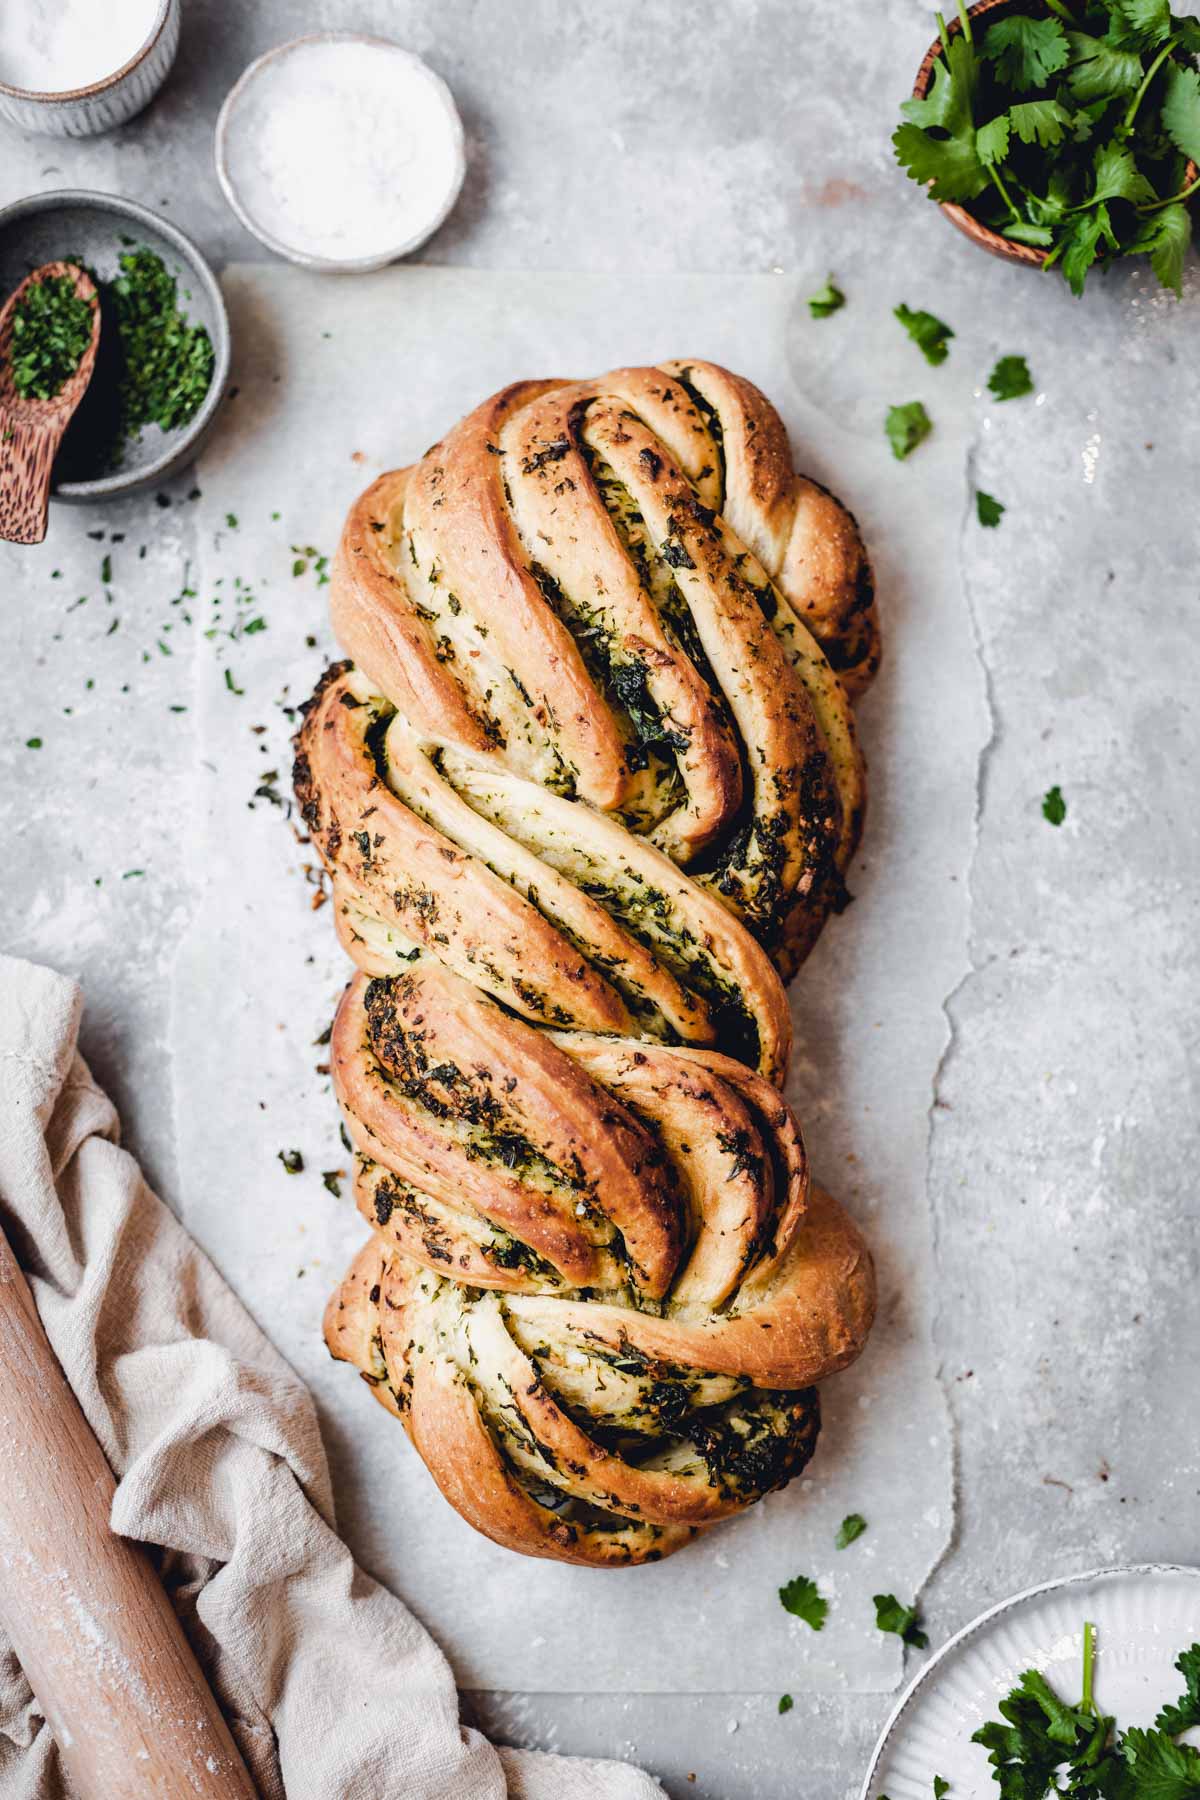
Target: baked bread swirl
pixel 586 793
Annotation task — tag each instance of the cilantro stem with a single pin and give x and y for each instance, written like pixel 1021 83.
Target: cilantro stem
pixel 943 34
pixel 1088 1704
pixel 1157 205
pixel 964 19
pixel 1147 78
pixel 994 175
pixel 1064 12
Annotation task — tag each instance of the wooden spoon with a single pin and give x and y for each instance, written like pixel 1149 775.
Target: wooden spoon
pixel 31 430
pixel 91 1624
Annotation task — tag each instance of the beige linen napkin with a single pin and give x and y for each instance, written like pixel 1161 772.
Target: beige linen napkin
pixel 333 1690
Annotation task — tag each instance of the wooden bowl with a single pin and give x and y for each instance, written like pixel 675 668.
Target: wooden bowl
pixel 959 217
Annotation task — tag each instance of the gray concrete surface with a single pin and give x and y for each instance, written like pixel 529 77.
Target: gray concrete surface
pixel 1063 1128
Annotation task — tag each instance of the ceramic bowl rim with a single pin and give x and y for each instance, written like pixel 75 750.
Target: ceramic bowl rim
pixel 71 96
pixel 376 259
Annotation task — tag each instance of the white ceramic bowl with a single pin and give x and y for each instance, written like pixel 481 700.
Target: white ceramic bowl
pixel 102 106
pixel 231 151
pixel 1144 1616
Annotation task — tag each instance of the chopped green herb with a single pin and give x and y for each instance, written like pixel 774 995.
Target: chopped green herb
pixel 940 1786
pixel 106 570
pixel 330 1178
pixel 786 1703
pixel 292 1161
pixel 51 329
pixel 1010 378
pixel 33 743
pixel 231 521
pixel 989 509
pixel 931 335
pixel 131 873
pixel 851 1527
pixel 231 684
pixel 801 1597
pixel 1054 807
pixel 906 427
pixel 826 300
pixel 902 1620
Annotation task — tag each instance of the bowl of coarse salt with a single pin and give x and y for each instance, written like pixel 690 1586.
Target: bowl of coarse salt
pixel 339 151
pixel 74 68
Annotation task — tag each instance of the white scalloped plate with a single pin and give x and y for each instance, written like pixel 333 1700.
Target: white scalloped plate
pixel 1144 1616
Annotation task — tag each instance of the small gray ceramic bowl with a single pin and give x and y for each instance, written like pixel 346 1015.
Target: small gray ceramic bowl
pixel 104 104
pixel 95 228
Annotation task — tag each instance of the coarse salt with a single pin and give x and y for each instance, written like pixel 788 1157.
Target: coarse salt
pixel 342 150
pixel 55 46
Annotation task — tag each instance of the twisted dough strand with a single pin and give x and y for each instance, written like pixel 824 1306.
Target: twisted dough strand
pixel 586 791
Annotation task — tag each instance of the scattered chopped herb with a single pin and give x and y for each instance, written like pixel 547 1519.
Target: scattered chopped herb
pixel 1054 807
pixel 902 1620
pixel 1071 133
pixel 931 335
pixel 51 329
pixel 106 570
pixel 786 1703
pixel 851 1527
pixel 906 427
pixel 130 873
pixel 231 521
pixel 330 1178
pixel 801 1597
pixel 231 684
pixel 940 1786
pixel 33 743
pixel 1010 378
pixel 989 509
pixel 292 1161
pixel 826 300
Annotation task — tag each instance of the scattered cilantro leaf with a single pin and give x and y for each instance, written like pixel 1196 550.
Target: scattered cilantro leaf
pixel 331 1179
pixel 902 1620
pixel 292 1161
pixel 940 1786
pixel 231 684
pixel 929 334
pixel 1026 52
pixel 786 1703
pixel 1010 378
pixel 990 511
pixel 851 1527
pixel 33 743
pixel 906 427
pixel 231 521
pixel 802 1598
pixel 1054 807
pixel 826 300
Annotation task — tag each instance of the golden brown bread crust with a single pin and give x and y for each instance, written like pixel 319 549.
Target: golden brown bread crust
pixel 587 791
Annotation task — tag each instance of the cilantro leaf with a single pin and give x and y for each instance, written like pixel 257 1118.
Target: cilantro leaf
pixel 1181 109
pixel 928 333
pixel 1184 1712
pixel 1026 52
pixel 940 1786
pixel 1160 1769
pixel 801 1597
pixel 906 427
pixel 851 1527
pixel 1097 71
pixel 1010 378
pixel 1118 176
pixel 902 1620
pixel 990 510
pixel 948 165
pixel 1082 242
pixel 991 141
pixel 1039 122
pixel 786 1703
pixel 292 1161
pixel 1164 237
pixel 1139 24
pixel 826 300
pixel 1054 807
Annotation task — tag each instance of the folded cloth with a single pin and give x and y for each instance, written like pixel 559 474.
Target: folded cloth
pixel 332 1689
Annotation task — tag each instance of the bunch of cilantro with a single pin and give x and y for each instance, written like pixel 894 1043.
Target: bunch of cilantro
pixel 1068 126
pixel 1041 1745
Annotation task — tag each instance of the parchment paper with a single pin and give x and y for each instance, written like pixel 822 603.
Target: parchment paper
pixel 337 379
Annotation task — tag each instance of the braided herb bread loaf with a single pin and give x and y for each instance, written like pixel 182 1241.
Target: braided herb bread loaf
pixel 586 792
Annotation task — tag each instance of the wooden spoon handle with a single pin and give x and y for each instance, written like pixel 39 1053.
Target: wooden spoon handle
pixel 28 446
pixel 87 1615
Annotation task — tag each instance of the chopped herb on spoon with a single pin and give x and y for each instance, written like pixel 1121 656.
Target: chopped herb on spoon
pixel 51 329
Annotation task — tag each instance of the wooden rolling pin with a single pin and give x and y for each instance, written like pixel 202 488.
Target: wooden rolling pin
pixel 86 1613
